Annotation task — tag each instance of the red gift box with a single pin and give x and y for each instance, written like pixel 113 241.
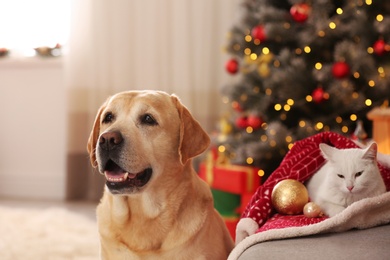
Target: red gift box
pixel 226 177
pixel 241 180
pixel 234 179
pixel 231 223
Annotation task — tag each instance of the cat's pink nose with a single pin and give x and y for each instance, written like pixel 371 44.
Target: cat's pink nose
pixel 350 188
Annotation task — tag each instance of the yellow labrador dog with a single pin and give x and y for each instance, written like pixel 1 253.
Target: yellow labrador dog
pixel 154 205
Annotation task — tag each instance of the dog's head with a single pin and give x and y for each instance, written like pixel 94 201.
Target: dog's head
pixel 140 137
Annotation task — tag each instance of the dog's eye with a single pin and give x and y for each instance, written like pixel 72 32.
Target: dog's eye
pixel 148 119
pixel 108 118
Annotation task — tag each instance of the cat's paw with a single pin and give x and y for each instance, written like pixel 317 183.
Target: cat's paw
pixel 245 228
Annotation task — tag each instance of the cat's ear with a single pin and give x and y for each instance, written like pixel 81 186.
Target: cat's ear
pixel 371 152
pixel 327 151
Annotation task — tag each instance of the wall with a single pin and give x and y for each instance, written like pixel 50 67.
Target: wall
pixel 45 122
pixel 32 128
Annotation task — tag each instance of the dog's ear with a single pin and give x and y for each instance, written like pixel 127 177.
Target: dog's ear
pixel 94 135
pixel 193 139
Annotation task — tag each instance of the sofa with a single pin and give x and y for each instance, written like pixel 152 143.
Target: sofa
pixel 372 243
pixel 360 230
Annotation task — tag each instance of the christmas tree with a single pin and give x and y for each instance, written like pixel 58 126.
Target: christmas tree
pixel 299 68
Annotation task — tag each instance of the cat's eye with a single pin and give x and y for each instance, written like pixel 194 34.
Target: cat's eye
pixel 340 176
pixel 358 174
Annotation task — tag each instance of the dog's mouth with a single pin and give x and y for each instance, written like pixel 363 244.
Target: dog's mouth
pixel 121 181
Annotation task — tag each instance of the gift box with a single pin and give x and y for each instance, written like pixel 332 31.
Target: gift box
pixel 232 187
pixel 231 223
pixel 226 203
pixel 228 206
pixel 226 177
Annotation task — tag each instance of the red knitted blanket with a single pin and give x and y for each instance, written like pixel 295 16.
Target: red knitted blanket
pixel 300 163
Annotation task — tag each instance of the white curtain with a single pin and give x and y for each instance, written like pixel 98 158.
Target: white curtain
pixel 170 45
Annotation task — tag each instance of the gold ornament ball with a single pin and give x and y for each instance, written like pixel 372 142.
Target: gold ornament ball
pixel 289 197
pixel 226 127
pixel 264 70
pixel 312 210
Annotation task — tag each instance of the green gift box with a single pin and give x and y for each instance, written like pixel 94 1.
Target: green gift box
pixel 226 203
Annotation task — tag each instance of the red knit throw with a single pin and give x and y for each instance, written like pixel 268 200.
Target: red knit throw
pixel 300 163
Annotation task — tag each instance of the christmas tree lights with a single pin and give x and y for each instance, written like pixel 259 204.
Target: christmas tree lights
pixel 303 67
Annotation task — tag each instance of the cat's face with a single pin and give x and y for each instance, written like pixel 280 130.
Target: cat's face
pixel 353 170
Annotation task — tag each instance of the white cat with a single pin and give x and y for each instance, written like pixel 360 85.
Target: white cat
pixel 347 176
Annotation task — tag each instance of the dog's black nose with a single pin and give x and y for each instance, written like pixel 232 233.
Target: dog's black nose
pixel 110 140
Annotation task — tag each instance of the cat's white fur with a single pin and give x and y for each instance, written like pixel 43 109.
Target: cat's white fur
pixel 347 176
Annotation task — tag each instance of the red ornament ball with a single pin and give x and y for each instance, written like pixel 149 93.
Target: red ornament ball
pixel 236 106
pixel 300 12
pixel 242 122
pixel 379 47
pixel 340 69
pixel 232 66
pixel 258 33
pixel 255 121
pixel 318 95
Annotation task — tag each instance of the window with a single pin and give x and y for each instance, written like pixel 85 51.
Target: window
pixel 29 24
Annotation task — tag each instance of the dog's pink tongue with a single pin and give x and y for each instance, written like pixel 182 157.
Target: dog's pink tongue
pixel 118 176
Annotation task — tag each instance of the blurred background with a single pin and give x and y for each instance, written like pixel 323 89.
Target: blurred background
pixel 61 59
pixel 257 74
